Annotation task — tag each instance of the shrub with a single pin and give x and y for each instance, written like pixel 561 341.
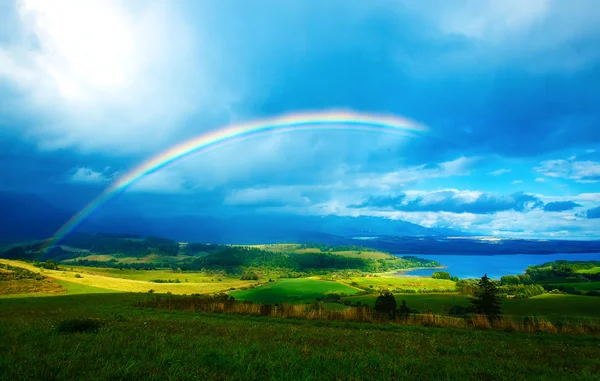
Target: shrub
pixel 78 276
pixel 78 325
pixel 441 275
pixel 249 275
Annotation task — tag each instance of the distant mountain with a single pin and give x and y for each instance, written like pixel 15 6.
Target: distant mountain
pixel 260 228
pixel 26 216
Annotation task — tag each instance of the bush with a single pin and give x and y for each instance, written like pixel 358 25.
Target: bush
pixel 249 275
pixel 441 275
pixel 78 276
pixel 78 325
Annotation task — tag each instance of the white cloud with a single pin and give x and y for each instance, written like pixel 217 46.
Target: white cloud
pixel 89 176
pixel 579 171
pixel 540 180
pixel 516 182
pixel 401 177
pixel 491 19
pixel 529 32
pixel 108 73
pixel 500 171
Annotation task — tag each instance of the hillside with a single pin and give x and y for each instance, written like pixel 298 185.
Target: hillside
pixel 129 251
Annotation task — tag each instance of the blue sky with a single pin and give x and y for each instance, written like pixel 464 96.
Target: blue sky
pixel 508 89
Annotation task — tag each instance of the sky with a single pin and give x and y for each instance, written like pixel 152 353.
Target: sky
pixel 507 89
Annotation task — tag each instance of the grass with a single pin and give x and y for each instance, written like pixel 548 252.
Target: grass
pixel 593 270
pixel 581 286
pixel 150 258
pixel 292 290
pixel 391 282
pixel 437 303
pixel 117 280
pixel 76 288
pixel 29 287
pixel 297 249
pixel 141 343
pixel 553 307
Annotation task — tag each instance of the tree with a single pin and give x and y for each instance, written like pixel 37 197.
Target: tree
pixel 386 304
pixel 249 275
pixel 441 275
pixel 487 299
pixel 404 310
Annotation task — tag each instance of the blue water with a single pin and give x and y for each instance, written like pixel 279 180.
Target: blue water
pixel 495 266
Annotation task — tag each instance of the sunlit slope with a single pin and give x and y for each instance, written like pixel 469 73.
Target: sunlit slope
pixel 95 279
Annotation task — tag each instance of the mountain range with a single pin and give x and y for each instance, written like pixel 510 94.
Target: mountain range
pixel 28 216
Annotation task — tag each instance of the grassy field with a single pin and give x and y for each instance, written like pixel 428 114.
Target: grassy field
pixel 298 249
pixel 30 287
pixel 593 270
pixel 151 258
pixel 121 281
pixel 553 307
pixel 583 286
pixel 142 343
pixel 292 290
pixel 391 282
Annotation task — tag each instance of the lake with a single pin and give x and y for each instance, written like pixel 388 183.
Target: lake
pixel 495 266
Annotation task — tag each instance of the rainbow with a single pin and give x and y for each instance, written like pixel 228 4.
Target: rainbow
pixel 326 120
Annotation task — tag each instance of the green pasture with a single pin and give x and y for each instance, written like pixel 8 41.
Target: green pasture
pixel 553 307
pixel 405 282
pixel 141 343
pixel 292 291
pixel 581 286
pixel 593 270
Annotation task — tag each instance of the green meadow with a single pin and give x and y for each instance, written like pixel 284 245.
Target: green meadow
pixel 593 270
pixel 143 343
pixel 553 307
pixel 293 291
pixel 134 329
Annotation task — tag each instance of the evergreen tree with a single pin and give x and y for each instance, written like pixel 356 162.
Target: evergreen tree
pixel 487 299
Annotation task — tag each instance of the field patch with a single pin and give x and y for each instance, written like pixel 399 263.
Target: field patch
pixel 553 307
pixel 406 283
pixel 293 291
pixel 581 286
pixel 30 286
pixel 593 270
pixel 117 280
